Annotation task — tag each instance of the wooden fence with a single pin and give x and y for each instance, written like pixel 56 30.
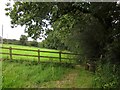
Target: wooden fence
pixel 38 51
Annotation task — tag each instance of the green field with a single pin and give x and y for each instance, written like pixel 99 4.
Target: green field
pixel 29 74
pixel 21 74
pixel 34 53
pixel 25 72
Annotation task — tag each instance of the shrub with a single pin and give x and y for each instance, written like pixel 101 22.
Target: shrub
pixel 107 76
pixel 34 43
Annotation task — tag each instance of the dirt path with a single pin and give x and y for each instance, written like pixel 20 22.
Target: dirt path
pixel 67 82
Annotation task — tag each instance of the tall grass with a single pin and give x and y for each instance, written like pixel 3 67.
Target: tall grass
pixel 19 74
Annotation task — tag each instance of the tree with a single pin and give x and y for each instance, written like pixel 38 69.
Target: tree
pixel 34 43
pixel 70 18
pixel 90 28
pixel 32 15
pixel 23 40
pixel 53 42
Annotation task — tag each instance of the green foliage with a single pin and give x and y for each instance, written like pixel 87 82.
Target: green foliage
pixel 107 76
pixel 11 41
pixel 99 24
pixel 53 42
pixel 41 45
pixel 23 40
pixel 34 43
pixel 82 39
pixel 113 52
pixel 92 29
pixel 32 15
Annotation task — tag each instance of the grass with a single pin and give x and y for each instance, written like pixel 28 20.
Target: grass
pixel 24 74
pixel 33 53
pixel 76 78
pixel 84 79
pixel 0 74
pixel 29 74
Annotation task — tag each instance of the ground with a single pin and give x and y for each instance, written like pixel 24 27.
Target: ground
pixel 26 72
pixel 70 80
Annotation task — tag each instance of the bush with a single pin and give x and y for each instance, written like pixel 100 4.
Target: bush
pixel 23 40
pixel 41 45
pixel 34 43
pixel 11 41
pixel 107 76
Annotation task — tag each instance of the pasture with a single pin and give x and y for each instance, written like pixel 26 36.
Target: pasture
pixel 55 53
pixel 26 72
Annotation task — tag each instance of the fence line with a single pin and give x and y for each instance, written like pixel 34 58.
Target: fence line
pixel 38 51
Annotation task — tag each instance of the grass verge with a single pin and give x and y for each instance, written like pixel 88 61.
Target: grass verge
pixel 18 74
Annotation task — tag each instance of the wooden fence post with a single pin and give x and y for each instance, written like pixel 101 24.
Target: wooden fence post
pixel 60 56
pixel 10 53
pixel 38 56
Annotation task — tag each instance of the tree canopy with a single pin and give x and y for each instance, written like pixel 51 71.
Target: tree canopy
pixel 90 28
pixel 23 40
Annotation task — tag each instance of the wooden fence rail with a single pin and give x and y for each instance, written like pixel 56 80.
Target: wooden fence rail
pixel 38 51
